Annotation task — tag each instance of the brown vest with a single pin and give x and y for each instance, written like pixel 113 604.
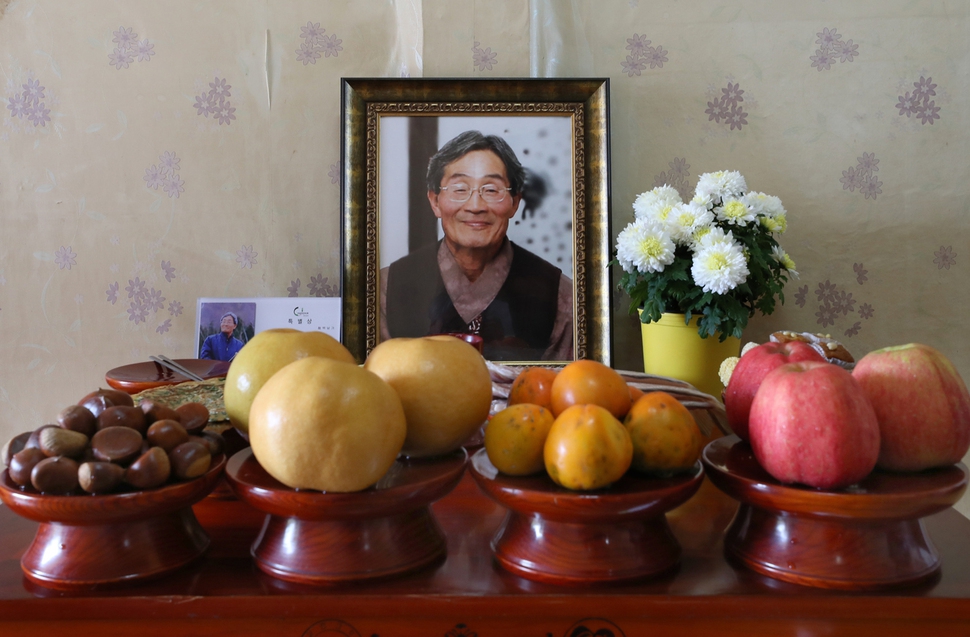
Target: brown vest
pixel 515 326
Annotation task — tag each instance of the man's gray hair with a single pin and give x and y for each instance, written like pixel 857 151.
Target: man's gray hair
pixel 470 141
pixel 234 319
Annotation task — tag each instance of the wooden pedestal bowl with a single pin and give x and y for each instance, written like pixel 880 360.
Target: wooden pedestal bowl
pixel 558 536
pixel 311 537
pixel 86 541
pixel 868 536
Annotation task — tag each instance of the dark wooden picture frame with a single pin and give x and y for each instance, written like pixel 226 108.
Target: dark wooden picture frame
pixel 364 101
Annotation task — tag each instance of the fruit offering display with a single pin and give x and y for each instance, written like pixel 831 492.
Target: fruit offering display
pixel 264 355
pixel 901 409
pixel 444 386
pixel 107 444
pixel 921 403
pixel 587 430
pixel 326 425
pixel 811 424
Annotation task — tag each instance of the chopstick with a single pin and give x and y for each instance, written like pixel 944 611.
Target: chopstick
pixel 168 363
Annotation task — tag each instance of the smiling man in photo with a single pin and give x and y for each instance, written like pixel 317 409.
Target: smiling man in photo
pixel 476 280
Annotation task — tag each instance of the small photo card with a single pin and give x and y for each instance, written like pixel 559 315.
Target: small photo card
pixel 224 325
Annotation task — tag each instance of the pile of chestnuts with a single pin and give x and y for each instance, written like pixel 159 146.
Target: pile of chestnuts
pixel 107 444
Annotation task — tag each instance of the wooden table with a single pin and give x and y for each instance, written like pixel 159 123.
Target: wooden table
pixel 469 596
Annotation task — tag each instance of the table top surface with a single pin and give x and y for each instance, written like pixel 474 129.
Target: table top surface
pixel 469 580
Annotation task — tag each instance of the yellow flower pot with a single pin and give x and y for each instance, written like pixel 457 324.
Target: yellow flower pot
pixel 673 348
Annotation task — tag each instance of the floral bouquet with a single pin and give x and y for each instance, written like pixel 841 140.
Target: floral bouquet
pixel 715 256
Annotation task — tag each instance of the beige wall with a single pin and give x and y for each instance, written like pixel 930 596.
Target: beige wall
pixel 258 200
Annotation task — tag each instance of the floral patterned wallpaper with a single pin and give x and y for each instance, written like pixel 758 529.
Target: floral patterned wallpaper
pixel 152 153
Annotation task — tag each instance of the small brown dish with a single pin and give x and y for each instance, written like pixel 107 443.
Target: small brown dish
pixel 558 536
pixel 138 377
pixel 86 541
pixel 868 536
pixel 311 537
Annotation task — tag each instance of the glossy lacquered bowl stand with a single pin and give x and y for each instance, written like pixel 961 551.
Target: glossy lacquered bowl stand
pixel 868 536
pixel 311 537
pixel 558 536
pixel 86 541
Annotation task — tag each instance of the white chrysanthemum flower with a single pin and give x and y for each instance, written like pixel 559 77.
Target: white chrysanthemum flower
pixel 773 214
pixel 785 260
pixel 778 223
pixel 648 204
pixel 757 202
pixel 735 212
pixel 709 235
pixel 719 266
pixel 685 220
pixel 644 245
pixel 722 184
pixel 703 200
pixel 773 207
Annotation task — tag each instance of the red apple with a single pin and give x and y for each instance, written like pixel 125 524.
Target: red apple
pixel 921 403
pixel 811 423
pixel 751 370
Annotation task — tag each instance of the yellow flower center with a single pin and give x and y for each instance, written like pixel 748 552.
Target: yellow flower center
pixel 651 247
pixel 735 209
pixel 664 212
pixel 716 261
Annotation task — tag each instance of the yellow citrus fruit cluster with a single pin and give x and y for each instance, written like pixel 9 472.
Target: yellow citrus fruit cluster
pixel 586 428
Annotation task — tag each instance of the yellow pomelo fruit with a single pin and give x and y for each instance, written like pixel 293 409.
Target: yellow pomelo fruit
pixel 444 385
pixel 326 425
pixel 264 355
pixel 515 437
pixel 587 448
pixel 666 438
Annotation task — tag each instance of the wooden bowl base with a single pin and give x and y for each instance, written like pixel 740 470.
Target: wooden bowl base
pixel 868 536
pixel 859 554
pixel 334 551
pixel 72 557
pixel 587 553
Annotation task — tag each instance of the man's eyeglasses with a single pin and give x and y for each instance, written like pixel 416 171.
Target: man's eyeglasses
pixel 490 193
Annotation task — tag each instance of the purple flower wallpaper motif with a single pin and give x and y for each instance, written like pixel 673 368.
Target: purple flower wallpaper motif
pixel 137 312
pixel 294 288
pixel 484 59
pixel 642 54
pixel 164 326
pixel 164 175
pixel 168 270
pixel 832 50
pixel 65 257
pixel 334 173
pixel 27 104
pixel 318 286
pixel 112 293
pixel 917 103
pixel 854 330
pixel 944 257
pixel 862 177
pixel 676 177
pixel 727 108
pixel 129 48
pixel 175 308
pixel 216 102
pixel 834 304
pixel 246 257
pixel 316 43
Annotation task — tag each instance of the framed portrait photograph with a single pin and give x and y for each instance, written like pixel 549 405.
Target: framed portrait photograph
pixel 478 207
